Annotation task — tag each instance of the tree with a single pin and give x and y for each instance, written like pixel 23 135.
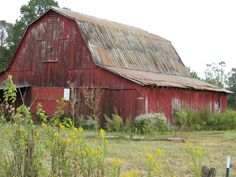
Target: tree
pixel 34 9
pixel 231 82
pixel 192 73
pixel 4 29
pixel 4 44
pixel 215 74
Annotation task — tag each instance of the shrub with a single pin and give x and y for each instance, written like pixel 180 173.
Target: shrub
pixel 89 123
pixel 206 118
pixel 150 123
pixel 225 120
pixel 186 119
pixel 115 123
pixel 161 124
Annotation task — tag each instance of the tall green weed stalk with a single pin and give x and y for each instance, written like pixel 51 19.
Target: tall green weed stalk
pixel 21 157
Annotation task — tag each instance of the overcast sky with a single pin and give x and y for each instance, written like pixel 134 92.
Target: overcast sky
pixel 202 31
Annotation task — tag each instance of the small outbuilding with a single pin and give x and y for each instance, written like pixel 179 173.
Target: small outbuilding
pixel 137 72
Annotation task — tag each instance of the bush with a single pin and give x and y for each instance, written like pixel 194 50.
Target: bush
pixel 225 120
pixel 186 119
pixel 89 124
pixel 161 124
pixel 115 123
pixel 150 123
pixel 206 118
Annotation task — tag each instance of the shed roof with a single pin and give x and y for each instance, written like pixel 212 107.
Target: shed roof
pixel 164 80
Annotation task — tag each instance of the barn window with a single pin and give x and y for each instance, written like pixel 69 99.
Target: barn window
pixel 48 51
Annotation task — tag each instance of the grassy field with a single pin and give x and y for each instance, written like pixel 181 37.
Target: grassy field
pixel 218 144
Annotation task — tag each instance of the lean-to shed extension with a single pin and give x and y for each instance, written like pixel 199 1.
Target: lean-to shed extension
pixel 137 72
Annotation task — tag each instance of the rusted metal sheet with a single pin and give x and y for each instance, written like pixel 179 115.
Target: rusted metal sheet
pixel 118 45
pixel 164 80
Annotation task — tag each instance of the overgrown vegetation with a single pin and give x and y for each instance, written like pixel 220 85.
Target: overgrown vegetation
pixel 58 148
pixel 151 123
pixel 186 119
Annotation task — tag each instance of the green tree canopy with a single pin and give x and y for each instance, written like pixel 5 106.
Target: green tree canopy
pixel 34 9
pixel 4 30
pixel 4 44
pixel 29 13
pixel 192 73
pixel 231 82
pixel 215 74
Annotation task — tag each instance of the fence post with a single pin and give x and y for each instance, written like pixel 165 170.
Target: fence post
pixel 227 166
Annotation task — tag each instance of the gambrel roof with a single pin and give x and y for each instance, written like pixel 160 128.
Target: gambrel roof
pixel 134 54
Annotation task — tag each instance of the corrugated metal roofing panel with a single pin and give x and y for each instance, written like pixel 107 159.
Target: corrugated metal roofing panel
pixel 119 45
pixel 164 80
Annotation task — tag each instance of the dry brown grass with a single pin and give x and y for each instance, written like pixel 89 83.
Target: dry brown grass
pixel 218 145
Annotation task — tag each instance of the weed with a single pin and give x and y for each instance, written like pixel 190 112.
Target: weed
pixel 91 100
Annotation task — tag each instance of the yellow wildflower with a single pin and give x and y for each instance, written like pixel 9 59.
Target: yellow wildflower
pixel 131 173
pixel 159 153
pixel 83 152
pixel 81 129
pixel 106 141
pixel 117 163
pixel 56 135
pixel 75 130
pixel 199 152
pixel 150 157
pixel 63 140
pixel 62 127
pixel 73 135
pixel 102 134
pixel 44 125
pixel 68 141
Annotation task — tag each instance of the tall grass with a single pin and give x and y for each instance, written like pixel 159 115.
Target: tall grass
pixel 59 149
pixel 186 119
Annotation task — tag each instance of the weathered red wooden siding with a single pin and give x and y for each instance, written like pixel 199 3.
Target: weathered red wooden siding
pixel 47 96
pixel 59 40
pixel 67 52
pixel 166 100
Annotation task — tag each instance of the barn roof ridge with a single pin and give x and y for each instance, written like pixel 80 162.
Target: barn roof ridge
pixel 119 45
pixel 92 19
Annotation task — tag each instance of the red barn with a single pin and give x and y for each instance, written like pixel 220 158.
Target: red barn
pixel 136 71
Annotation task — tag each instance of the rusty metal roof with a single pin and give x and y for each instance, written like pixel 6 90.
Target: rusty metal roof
pixel 118 45
pixel 164 80
pixel 135 54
